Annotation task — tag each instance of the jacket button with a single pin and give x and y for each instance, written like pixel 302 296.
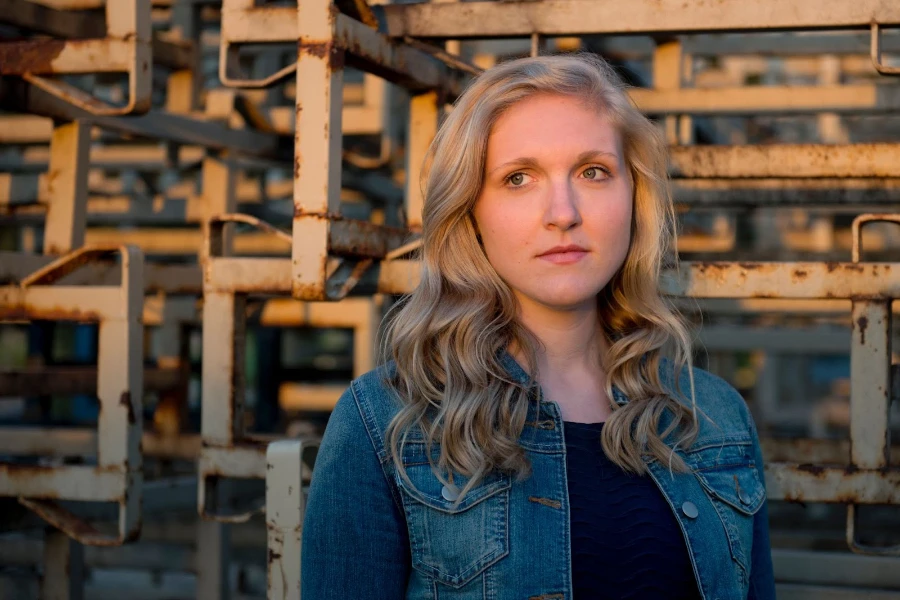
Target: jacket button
pixel 743 496
pixel 450 493
pixel 690 510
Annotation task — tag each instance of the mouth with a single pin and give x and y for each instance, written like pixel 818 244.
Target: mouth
pixel 564 254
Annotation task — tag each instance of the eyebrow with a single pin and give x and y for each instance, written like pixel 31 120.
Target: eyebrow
pixel 529 161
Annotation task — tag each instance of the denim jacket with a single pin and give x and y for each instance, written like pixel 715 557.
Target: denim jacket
pixel 368 535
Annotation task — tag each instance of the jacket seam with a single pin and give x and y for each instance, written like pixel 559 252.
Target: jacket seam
pixel 380 453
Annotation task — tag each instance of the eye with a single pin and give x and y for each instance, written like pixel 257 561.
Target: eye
pixel 516 179
pixel 595 173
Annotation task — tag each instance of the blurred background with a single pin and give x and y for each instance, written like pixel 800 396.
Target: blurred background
pixel 192 268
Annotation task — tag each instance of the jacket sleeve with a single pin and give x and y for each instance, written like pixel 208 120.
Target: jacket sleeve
pixel 762 576
pixel 355 541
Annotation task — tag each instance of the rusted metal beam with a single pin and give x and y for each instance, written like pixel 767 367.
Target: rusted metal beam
pixel 62 441
pixel 852 192
pixel 169 278
pixel 581 17
pixel 842 485
pixel 784 280
pixel 786 161
pixel 158 125
pixel 855 98
pixel 52 380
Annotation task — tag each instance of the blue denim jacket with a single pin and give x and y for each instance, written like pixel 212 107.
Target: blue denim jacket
pixel 368 535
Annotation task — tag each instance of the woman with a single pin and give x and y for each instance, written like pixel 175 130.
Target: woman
pixel 527 441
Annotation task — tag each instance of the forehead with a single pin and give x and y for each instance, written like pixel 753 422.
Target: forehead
pixel 551 125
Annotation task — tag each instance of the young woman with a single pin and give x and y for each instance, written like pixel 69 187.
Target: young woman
pixel 527 441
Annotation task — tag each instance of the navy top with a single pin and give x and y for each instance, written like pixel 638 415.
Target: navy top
pixel 626 543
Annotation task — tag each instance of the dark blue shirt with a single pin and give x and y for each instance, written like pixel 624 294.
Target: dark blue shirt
pixel 626 543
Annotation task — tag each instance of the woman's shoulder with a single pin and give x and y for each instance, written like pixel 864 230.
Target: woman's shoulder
pixel 721 410
pixel 370 399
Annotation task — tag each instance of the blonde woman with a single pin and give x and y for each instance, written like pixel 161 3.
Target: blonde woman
pixel 527 441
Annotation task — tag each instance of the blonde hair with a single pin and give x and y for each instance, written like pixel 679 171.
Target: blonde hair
pixel 447 337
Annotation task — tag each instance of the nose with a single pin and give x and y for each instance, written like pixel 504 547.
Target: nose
pixel 561 210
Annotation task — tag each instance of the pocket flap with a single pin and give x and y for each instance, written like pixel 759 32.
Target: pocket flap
pixel 738 485
pixel 428 489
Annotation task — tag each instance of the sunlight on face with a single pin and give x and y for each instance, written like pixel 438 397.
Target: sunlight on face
pixel 555 211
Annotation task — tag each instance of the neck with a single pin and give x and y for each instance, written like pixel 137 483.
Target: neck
pixel 571 340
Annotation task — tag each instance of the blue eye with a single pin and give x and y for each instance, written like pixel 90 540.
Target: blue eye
pixel 594 173
pixel 516 178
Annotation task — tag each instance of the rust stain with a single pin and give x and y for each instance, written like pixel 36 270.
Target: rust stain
pixel 29 56
pixel 324 51
pixel 863 324
pixel 799 275
pixel 272 556
pixel 27 312
pixel 814 470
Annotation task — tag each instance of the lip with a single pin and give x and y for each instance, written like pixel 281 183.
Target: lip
pixel 563 255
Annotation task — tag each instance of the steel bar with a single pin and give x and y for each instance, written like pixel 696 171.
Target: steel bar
pixel 812 451
pixel 169 278
pixel 285 507
pixel 60 441
pixel 580 17
pixel 63 577
pixel 855 98
pixel 853 193
pixel 157 125
pixel 423 123
pixel 786 161
pixel 843 485
pixel 67 188
pixel 75 380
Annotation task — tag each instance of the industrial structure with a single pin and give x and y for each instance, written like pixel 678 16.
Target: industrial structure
pixel 206 207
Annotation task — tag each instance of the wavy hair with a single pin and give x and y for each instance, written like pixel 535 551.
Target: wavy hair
pixel 446 338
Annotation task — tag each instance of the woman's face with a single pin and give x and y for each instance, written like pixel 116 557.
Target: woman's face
pixel 555 211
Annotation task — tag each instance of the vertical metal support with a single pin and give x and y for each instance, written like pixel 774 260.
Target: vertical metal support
pixel 67 187
pixel 183 86
pixel 870 372
pixel 285 505
pixel 120 382
pixel 213 560
pixel 667 67
pixel 831 130
pixel 63 577
pixel 219 185
pixel 423 124
pixel 317 145
pixel 364 338
pixel 223 382
pixel 870 386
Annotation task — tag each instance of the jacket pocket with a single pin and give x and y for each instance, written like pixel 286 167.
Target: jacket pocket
pixel 455 542
pixel 729 476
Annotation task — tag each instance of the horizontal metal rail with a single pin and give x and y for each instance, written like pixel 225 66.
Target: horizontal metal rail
pixel 581 17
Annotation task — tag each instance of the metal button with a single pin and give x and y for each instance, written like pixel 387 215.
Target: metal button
pixel 450 492
pixel 743 496
pixel 690 510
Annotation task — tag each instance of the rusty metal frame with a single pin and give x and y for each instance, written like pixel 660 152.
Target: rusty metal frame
pixel 227 452
pixel 287 474
pixel 125 49
pixel 117 476
pixel 875 52
pixel 579 17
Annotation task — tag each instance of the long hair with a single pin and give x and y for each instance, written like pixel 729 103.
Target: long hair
pixel 446 338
